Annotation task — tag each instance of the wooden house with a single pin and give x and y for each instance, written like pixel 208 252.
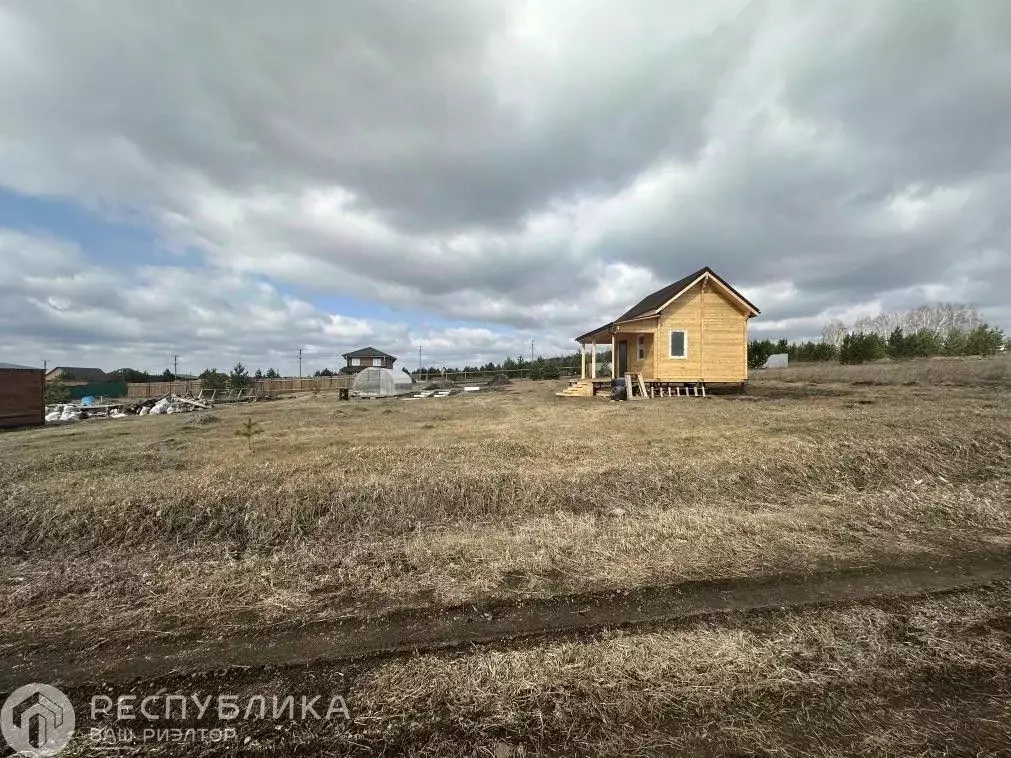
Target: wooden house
pixel 367 357
pixel 76 375
pixel 687 334
pixel 22 396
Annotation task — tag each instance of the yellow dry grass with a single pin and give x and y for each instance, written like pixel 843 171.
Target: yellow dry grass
pixel 168 523
pixel 918 677
pixel 891 678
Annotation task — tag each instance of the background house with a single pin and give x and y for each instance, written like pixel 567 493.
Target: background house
pixel 367 357
pixel 72 374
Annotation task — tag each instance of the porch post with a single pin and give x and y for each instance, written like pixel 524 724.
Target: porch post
pixel 614 357
pixel 593 359
pixel 582 361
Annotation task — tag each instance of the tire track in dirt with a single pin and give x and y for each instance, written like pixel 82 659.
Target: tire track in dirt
pixel 410 632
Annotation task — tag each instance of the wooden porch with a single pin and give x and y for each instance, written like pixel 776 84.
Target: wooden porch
pixel 636 388
pixel 625 343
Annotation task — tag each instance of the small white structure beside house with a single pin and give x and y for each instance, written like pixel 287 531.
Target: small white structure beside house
pixel 382 382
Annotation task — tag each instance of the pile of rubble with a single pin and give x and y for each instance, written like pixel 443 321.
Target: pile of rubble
pixel 68 412
pixel 170 404
pixel 73 412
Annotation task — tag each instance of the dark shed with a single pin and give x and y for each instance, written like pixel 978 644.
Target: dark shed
pixel 22 396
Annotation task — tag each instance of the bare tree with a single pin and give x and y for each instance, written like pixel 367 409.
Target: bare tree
pixel 939 318
pixel 833 332
pixel 881 325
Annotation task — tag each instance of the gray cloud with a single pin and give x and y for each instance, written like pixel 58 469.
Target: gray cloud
pixel 531 165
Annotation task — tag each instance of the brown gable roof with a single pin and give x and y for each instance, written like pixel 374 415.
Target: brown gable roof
pixel 656 300
pixel 79 374
pixel 368 352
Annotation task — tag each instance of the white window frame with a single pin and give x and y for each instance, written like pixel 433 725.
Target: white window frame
pixel 377 362
pixel 640 347
pixel 356 361
pixel 669 353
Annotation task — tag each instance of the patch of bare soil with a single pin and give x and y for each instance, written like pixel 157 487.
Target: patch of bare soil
pixel 926 674
pixel 407 633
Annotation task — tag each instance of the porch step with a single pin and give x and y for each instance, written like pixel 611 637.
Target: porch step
pixel 634 384
pixel 582 388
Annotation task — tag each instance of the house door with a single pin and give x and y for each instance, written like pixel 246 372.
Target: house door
pixel 622 358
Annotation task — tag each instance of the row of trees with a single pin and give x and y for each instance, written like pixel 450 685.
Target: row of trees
pixel 937 318
pixel 861 346
pixel 239 374
pixel 799 352
pixel 539 368
pixel 238 378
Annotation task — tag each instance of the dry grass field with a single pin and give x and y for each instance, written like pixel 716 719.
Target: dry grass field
pixel 115 533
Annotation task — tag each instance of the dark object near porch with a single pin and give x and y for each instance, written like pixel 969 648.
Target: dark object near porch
pixel 618 390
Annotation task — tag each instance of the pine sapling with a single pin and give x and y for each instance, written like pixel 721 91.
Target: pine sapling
pixel 249 429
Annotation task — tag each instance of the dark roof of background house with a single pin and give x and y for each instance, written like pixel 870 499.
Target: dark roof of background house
pixel 82 374
pixel 15 366
pixel 368 352
pixel 656 299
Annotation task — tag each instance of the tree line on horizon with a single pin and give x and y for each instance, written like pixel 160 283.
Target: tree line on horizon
pixel 943 329
pixel 928 331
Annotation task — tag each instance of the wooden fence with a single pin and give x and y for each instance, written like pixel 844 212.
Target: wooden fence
pixel 462 377
pixel 275 386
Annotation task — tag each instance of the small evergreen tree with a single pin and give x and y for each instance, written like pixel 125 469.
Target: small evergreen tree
pixel 984 340
pixel 956 342
pixel 897 344
pixel 759 352
pixel 923 343
pixel 212 379
pixel 861 348
pixel 56 392
pixel 239 377
pixel 249 429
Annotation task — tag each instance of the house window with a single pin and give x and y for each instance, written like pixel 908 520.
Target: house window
pixel 640 347
pixel 678 343
pixel 356 361
pixel 377 362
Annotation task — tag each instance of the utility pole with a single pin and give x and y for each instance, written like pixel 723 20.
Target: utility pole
pixel 300 363
pixel 45 367
pixel 531 351
pixel 419 361
pixel 175 365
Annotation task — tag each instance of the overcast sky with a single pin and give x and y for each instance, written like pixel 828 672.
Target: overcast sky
pixel 230 180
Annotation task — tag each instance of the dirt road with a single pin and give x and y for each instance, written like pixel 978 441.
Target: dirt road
pixel 500 623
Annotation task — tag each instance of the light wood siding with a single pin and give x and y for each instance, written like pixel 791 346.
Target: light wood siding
pixel 685 313
pixel 725 358
pixel 636 366
pixel 716 338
